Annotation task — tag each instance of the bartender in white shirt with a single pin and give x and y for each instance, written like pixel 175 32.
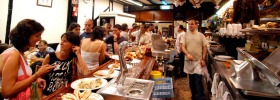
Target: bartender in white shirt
pixel 181 33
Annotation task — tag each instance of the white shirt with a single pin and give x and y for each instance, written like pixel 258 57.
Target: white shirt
pixel 135 33
pixel 144 38
pixel 178 39
pixel 124 34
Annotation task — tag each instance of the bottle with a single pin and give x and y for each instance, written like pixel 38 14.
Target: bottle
pixel 148 52
pixel 34 92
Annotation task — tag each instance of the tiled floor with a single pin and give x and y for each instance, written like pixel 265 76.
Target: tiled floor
pixel 181 89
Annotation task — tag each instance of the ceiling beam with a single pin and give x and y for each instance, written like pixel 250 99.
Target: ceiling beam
pixel 123 2
pixel 152 2
pixel 141 2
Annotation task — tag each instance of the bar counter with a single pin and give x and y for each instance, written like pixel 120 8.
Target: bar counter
pixel 146 64
pixel 225 74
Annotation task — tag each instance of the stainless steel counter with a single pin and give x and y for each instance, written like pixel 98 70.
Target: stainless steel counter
pixel 236 93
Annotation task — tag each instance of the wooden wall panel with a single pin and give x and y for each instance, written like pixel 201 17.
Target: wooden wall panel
pixel 147 15
pixel 151 16
pixel 164 15
pixel 137 14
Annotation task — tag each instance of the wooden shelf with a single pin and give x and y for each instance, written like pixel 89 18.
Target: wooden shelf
pixel 268 31
pixel 270 19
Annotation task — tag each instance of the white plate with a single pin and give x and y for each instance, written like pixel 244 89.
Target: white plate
pixel 135 61
pixel 119 68
pixel 116 57
pixel 219 59
pixel 114 74
pixel 96 96
pixel 75 84
pixel 224 57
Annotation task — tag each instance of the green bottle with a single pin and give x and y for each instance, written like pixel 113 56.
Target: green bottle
pixel 34 92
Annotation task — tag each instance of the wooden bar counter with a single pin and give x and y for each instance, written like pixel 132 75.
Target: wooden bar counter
pixel 146 64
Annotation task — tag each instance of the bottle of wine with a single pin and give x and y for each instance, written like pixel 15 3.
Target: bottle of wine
pixel 34 92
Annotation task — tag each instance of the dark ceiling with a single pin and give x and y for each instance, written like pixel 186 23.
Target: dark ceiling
pixel 152 2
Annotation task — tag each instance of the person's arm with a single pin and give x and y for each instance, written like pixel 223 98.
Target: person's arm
pixel 204 48
pixel 184 49
pixel 81 65
pixel 102 53
pixel 116 45
pixel 10 85
pixel 204 52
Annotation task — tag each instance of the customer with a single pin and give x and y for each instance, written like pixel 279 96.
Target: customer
pixel 114 41
pixel 151 29
pixel 157 31
pixel 178 49
pixel 73 27
pixel 194 47
pixel 88 29
pixel 145 36
pixel 124 31
pixel 133 30
pixel 108 31
pixel 93 49
pixel 15 75
pixel 67 59
pixel 41 54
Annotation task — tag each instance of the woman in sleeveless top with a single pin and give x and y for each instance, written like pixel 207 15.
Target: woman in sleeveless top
pixel 15 74
pixel 73 27
pixel 67 60
pixel 93 49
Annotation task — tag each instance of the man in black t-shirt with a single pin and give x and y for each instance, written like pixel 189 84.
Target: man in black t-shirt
pixel 114 40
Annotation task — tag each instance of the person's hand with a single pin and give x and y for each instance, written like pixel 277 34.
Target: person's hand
pixel 115 37
pixel 76 50
pixel 202 62
pixel 190 57
pixel 34 58
pixel 41 83
pixel 43 70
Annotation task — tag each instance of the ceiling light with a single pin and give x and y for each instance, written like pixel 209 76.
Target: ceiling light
pixel 166 7
pixel 221 11
pixel 136 3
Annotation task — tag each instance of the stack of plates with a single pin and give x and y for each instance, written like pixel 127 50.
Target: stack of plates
pixel 223 57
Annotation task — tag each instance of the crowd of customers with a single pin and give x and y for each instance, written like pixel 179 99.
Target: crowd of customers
pixel 75 55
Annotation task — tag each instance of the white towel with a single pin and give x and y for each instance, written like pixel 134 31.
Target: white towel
pixel 221 90
pixel 226 96
pixel 215 83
